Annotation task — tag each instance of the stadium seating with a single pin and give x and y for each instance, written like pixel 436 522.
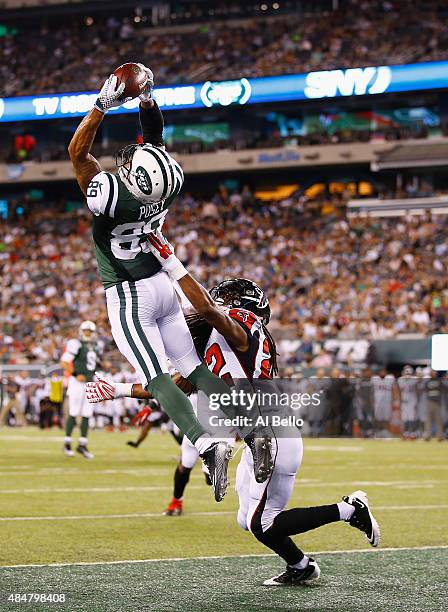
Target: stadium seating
pixel 78 54
pixel 327 276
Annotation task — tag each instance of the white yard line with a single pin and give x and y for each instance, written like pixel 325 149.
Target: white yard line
pixel 31 438
pixel 171 559
pixel 83 517
pixel 337 449
pixel 47 490
pixel 76 470
pixel 399 484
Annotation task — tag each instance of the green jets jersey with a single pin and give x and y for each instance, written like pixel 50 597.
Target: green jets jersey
pixel 120 225
pixel 84 356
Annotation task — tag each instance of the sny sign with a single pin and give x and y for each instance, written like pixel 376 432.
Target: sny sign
pixel 351 82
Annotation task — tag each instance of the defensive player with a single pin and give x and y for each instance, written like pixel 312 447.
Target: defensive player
pixel 79 361
pixel 154 417
pixel 146 320
pixel 188 459
pixel 237 344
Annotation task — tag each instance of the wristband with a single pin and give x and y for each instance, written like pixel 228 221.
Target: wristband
pixel 123 389
pixel 174 267
pixel 179 272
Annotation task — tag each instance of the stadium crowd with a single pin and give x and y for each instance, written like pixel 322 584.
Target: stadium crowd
pixel 328 276
pixel 78 53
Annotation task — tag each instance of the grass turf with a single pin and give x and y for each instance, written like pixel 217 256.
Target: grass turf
pixel 401 580
pixel 406 481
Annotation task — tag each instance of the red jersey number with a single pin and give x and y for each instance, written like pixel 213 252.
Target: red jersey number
pixel 215 358
pixel 266 364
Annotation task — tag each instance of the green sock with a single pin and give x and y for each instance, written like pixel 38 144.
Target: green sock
pixel 69 426
pixel 177 406
pixel 84 427
pixel 207 382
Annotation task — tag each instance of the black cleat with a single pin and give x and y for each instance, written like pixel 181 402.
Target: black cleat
pixel 133 444
pixel 68 450
pixel 362 518
pixel 83 450
pixel 216 459
pixel 208 480
pixel 261 449
pixel 295 577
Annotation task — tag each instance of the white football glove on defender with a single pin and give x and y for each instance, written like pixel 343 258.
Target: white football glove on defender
pixel 102 389
pixel 163 251
pixel 109 94
pixel 146 94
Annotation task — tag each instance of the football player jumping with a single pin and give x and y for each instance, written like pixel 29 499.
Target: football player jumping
pixel 146 320
pixel 235 342
pixel 79 361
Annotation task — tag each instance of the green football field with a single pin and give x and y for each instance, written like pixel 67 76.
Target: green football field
pixel 95 532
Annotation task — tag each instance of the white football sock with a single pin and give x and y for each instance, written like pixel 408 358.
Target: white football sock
pixel 345 511
pixel 67 440
pixel 302 564
pixel 82 441
pixel 203 443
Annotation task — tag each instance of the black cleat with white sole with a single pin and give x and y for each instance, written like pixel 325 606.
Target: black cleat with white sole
pixel 362 518
pixel 295 577
pixel 68 450
pixel 84 451
pixel 216 459
pixel 261 449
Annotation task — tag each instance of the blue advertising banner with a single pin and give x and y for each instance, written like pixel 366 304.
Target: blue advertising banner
pixel 370 80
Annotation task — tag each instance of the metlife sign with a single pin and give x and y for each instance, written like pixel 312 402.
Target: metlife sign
pixel 370 80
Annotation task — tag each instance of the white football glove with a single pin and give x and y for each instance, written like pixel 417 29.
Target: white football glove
pixel 146 94
pixel 163 251
pixel 109 94
pixel 100 390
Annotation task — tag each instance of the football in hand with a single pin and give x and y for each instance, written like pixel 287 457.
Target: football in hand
pixel 134 78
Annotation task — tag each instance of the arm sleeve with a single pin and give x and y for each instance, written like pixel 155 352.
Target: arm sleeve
pixel 102 194
pixel 151 122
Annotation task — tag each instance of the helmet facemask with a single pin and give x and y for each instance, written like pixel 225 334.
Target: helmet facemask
pixel 243 293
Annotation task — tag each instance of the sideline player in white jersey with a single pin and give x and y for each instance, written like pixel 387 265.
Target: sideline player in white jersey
pixel 147 323
pixel 79 361
pixel 384 389
pixel 407 386
pixel 230 332
pixel 117 409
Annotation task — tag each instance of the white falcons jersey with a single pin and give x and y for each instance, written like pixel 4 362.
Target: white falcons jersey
pixel 383 389
pixel 229 363
pixel 408 390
